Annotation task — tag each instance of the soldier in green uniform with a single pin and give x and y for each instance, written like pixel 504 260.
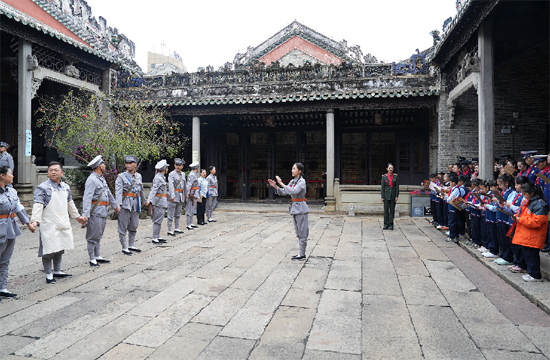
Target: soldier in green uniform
pixel 390 193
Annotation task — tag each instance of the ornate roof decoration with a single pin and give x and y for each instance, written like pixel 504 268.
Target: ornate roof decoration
pixel 309 41
pixel 97 38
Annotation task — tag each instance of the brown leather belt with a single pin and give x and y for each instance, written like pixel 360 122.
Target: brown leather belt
pixel 12 215
pixel 195 188
pixel 163 195
pixel 213 187
pixel 104 203
pixel 178 190
pixel 299 199
pixel 130 194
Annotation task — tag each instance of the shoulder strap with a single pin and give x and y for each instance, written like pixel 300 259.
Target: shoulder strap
pixel 132 186
pixel 97 202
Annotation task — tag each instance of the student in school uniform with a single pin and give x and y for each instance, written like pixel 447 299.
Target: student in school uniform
pixel 439 203
pixel 514 207
pixel 491 219
pixel 454 216
pixel 475 213
pixel 462 215
pixel 541 162
pixel 483 224
pixel 529 230
pixel 532 170
pixel 505 244
pixel 433 197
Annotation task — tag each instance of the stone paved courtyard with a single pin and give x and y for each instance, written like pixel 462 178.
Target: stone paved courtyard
pixel 230 291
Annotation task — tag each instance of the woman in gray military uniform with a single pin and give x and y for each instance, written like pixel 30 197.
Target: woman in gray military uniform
pixel 158 197
pixel 95 203
pixel 10 208
pixel 213 192
pixel 176 188
pixel 130 196
pixel 192 191
pixel 5 157
pixel 297 189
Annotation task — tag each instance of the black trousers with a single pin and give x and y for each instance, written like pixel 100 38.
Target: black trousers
pixel 530 261
pixel 201 209
pixel 389 212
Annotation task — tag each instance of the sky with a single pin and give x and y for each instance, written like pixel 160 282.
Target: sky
pixel 213 32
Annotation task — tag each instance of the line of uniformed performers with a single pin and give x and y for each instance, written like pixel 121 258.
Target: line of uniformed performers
pixel 506 218
pixel 53 204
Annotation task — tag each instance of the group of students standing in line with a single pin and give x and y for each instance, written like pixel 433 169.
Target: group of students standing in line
pixel 506 219
pixel 53 204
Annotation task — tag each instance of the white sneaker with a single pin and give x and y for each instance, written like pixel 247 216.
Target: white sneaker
pixel 447 233
pixel 438 227
pixel 489 254
pixel 529 278
pixel 482 249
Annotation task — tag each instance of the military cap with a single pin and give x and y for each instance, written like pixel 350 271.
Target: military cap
pixel 194 165
pixel 526 154
pixel 130 159
pixel 4 144
pixel 178 161
pixel 475 160
pixel 96 162
pixel 161 165
pixel 539 158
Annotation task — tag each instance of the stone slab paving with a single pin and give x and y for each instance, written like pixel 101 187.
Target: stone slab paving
pixel 229 290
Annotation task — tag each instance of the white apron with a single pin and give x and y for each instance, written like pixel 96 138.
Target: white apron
pixel 55 229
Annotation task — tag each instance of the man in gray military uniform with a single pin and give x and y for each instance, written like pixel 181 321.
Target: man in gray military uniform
pixel 192 191
pixel 213 191
pixel 176 188
pixel 5 158
pixel 97 198
pixel 158 197
pixel 130 196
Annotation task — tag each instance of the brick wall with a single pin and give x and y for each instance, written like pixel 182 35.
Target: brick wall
pixel 521 85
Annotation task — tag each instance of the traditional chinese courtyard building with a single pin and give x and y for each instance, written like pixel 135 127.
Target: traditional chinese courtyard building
pixel 50 47
pixel 301 97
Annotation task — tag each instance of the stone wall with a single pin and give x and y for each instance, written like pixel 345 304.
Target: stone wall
pixel 521 86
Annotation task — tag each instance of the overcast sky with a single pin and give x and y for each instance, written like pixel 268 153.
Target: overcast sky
pixel 212 32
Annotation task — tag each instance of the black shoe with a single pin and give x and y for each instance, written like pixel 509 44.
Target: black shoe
pixel 178 231
pixel 104 261
pixel 212 220
pixel 385 228
pixel 546 249
pixel 195 226
pixel 190 228
pixel 162 240
pixel 391 227
pixel 127 252
pixel 134 249
pixel 94 264
pixel 202 223
pixel 298 258
pixel 171 234
pixel 156 242
pixel 61 275
pixel 7 294
pixel 52 281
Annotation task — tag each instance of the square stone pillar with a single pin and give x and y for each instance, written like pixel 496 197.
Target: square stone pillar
pixel 23 164
pixel 329 200
pixel 486 100
pixel 196 140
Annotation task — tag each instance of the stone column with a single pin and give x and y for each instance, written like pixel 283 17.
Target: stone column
pixel 196 140
pixel 329 200
pixel 486 105
pixel 23 163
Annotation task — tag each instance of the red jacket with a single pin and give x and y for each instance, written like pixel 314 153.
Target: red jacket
pixel 532 224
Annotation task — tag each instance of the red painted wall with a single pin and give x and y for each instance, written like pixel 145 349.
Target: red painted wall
pixel 297 42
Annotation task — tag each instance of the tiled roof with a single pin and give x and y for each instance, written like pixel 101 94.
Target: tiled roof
pixel 27 20
pixel 290 98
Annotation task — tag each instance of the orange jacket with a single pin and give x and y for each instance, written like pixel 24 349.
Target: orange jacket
pixel 532 224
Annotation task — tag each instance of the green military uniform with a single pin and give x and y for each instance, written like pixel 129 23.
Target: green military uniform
pixel 389 194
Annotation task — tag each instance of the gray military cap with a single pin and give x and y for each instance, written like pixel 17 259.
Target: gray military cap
pixel 161 165
pixel 96 162
pixel 194 165
pixel 130 159
pixel 178 161
pixel 4 144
